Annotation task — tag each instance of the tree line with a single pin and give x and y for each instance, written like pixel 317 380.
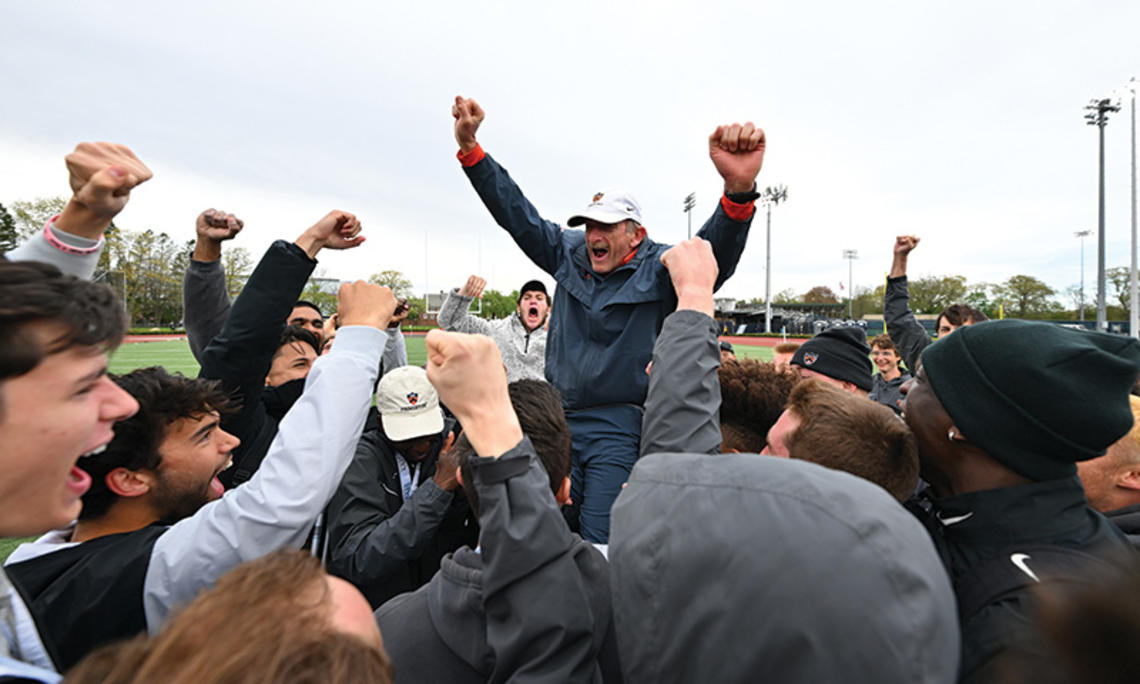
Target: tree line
pixel 147 266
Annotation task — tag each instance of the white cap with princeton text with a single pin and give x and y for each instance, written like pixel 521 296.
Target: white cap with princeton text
pixel 408 404
pixel 609 206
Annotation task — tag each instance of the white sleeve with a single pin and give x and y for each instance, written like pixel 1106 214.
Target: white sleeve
pixel 315 442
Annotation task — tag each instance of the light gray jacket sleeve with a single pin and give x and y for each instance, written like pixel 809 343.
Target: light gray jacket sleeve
pixel 37 248
pixel 315 442
pixel 396 351
pixel 682 408
pixel 205 303
pixel 906 332
pixel 453 315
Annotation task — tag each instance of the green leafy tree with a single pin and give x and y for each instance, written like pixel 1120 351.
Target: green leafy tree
pixel 932 294
pixel 1120 279
pixel 9 236
pixel 981 297
pixel 237 263
pixel 396 281
pixel 31 215
pixel 499 305
pixel 1024 296
pixel 868 301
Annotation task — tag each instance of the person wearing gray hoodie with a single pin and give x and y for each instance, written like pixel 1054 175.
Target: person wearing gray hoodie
pixel 743 567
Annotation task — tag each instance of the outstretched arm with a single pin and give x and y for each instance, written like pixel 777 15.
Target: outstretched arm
pixel 526 546
pixel 906 332
pixel 539 239
pixel 308 457
pixel 102 176
pixel 737 152
pixel 453 314
pixel 205 301
pixel 682 408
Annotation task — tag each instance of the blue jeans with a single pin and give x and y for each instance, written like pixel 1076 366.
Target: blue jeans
pixel 605 441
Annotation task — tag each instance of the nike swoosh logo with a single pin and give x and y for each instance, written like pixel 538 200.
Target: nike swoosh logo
pixel 952 520
pixel 1019 559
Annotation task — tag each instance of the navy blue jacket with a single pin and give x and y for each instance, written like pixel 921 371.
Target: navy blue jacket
pixel 602 328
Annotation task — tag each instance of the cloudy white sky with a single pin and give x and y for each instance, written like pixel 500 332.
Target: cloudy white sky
pixel 961 122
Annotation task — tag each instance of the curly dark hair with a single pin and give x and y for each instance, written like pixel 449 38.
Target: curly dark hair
pixel 86 314
pixel 753 395
pixel 163 399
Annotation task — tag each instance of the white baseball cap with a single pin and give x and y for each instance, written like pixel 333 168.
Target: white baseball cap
pixel 408 404
pixel 609 206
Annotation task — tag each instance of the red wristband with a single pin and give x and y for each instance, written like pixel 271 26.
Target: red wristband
pixel 471 158
pixel 737 212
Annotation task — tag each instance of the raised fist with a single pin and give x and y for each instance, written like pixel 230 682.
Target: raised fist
pixel 468 115
pixel 473 287
pixel 691 265
pixel 217 225
pixel 336 230
pixel 738 153
pixel 362 303
pixel 103 175
pixel 904 244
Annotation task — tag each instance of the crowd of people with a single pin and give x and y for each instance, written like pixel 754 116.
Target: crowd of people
pixel 593 489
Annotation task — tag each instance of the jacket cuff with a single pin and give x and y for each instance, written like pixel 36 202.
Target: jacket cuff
pixel 900 279
pixel 471 158
pixel 737 212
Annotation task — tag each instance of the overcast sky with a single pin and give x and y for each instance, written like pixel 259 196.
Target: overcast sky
pixel 961 122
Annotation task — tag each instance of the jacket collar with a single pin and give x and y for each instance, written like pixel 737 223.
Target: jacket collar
pixel 1052 509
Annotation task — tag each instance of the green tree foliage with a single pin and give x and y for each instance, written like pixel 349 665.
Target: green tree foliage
pixel 499 305
pixel 820 294
pixel 932 294
pixel 314 293
pixel 1024 296
pixel 9 237
pixel 868 301
pixel 237 263
pixel 1119 279
pixel 400 285
pixel 981 297
pixel 31 215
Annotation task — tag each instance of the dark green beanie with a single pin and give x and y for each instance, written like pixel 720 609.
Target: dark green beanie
pixel 1035 396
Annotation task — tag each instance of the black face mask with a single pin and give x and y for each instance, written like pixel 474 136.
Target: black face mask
pixel 278 400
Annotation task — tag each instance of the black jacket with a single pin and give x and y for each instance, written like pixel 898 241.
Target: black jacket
pixel 379 542
pixel 1127 519
pixel 974 531
pixel 241 354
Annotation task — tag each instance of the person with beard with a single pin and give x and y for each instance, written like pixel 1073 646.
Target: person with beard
pixel 521 337
pixel 264 370
pixel 613 296
pixel 155 528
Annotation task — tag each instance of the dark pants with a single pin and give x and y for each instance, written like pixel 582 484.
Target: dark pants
pixel 605 441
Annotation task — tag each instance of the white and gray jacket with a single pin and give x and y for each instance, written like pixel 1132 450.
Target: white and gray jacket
pixel 524 353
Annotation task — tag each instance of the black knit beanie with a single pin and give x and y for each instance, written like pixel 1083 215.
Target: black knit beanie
pixel 1035 396
pixel 840 353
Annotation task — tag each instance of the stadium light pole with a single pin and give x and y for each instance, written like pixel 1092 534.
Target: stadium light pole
pixel 850 255
pixel 1082 234
pixel 1134 296
pixel 772 195
pixel 1098 116
pixel 690 202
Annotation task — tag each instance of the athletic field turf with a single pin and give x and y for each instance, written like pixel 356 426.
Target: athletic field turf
pixel 175 355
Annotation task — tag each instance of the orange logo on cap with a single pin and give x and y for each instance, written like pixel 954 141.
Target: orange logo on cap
pixel 598 197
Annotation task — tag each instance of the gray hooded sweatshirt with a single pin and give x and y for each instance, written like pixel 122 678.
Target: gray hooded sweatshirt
pixel 747 568
pixel 524 353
